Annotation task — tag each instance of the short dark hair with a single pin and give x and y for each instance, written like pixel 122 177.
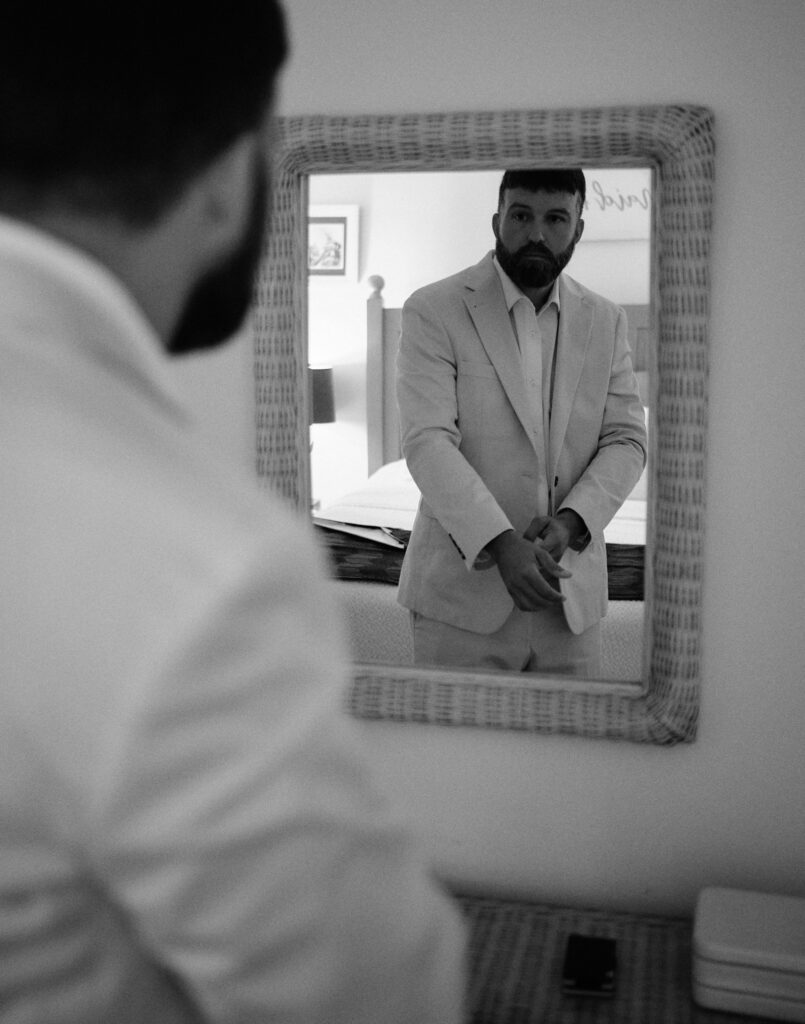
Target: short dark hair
pixel 115 107
pixel 559 179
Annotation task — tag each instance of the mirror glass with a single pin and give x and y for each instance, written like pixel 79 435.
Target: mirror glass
pixel 409 229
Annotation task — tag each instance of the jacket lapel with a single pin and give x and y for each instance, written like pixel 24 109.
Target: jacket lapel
pixel 575 331
pixel 487 308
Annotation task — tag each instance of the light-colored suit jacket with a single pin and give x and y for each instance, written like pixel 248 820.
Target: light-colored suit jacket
pixel 467 437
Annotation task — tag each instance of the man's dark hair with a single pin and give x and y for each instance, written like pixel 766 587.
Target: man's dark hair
pixel 114 107
pixel 563 179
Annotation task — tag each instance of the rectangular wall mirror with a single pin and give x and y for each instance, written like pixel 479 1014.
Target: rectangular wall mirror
pixel 674 147
pixel 406 230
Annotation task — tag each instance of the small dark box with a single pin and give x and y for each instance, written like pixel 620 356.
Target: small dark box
pixel 589 967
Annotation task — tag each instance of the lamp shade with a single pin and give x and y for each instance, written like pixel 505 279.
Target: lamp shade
pixel 322 395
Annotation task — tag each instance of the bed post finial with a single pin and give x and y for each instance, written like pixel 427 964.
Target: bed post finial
pixel 374 374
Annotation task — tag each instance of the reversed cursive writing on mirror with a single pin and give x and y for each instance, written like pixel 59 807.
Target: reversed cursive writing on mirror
pixel 616 200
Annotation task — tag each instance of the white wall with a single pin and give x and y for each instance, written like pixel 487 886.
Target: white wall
pixel 599 823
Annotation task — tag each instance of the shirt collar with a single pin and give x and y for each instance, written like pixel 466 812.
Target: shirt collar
pixel 513 294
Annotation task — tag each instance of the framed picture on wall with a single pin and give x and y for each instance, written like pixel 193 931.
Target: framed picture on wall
pixel 332 242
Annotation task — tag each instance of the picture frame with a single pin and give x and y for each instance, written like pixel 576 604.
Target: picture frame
pixel 332 242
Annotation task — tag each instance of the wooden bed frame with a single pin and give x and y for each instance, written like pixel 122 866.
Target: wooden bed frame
pixel 382 344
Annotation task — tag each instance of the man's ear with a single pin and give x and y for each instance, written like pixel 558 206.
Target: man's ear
pixel 579 230
pixel 226 189
pixel 495 223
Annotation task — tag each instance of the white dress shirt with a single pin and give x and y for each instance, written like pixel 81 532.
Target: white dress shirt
pixel 188 831
pixel 536 333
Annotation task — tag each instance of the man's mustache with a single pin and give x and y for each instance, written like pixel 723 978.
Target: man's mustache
pixel 535 249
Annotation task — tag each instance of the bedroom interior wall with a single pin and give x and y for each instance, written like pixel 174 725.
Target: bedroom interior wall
pixel 613 824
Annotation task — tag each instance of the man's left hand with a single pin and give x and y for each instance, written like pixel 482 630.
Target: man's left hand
pixel 557 532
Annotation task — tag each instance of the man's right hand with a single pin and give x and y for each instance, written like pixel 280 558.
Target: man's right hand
pixel 523 566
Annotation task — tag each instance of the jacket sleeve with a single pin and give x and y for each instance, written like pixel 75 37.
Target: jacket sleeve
pixel 237 826
pixel 620 457
pixel 451 488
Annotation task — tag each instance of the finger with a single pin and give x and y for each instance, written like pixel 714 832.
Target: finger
pixel 548 563
pixel 536 527
pixel 538 592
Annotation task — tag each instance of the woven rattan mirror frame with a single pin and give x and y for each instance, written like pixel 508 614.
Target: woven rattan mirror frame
pixel 678 143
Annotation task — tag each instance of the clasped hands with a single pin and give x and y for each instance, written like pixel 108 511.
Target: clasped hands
pixel 529 562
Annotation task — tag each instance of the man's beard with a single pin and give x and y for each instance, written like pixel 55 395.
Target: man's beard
pixel 527 273
pixel 219 301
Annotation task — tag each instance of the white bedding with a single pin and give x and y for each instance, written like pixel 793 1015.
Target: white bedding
pixel 389 499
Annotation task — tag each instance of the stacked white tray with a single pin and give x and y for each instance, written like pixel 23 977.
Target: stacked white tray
pixel 749 953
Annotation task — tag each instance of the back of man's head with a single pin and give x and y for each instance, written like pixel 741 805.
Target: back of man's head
pixel 114 108
pixel 545 179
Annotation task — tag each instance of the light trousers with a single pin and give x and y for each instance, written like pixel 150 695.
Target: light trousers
pixel 526 642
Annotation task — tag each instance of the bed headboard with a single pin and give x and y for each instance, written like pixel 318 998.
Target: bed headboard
pixel 382 343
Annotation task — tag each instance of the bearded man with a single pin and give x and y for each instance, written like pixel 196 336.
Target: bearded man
pixel 522 426
pixel 189 829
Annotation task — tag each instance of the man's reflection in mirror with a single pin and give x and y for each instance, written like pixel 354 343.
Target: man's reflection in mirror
pixel 523 428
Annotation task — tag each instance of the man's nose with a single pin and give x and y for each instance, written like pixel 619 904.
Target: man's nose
pixel 536 234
